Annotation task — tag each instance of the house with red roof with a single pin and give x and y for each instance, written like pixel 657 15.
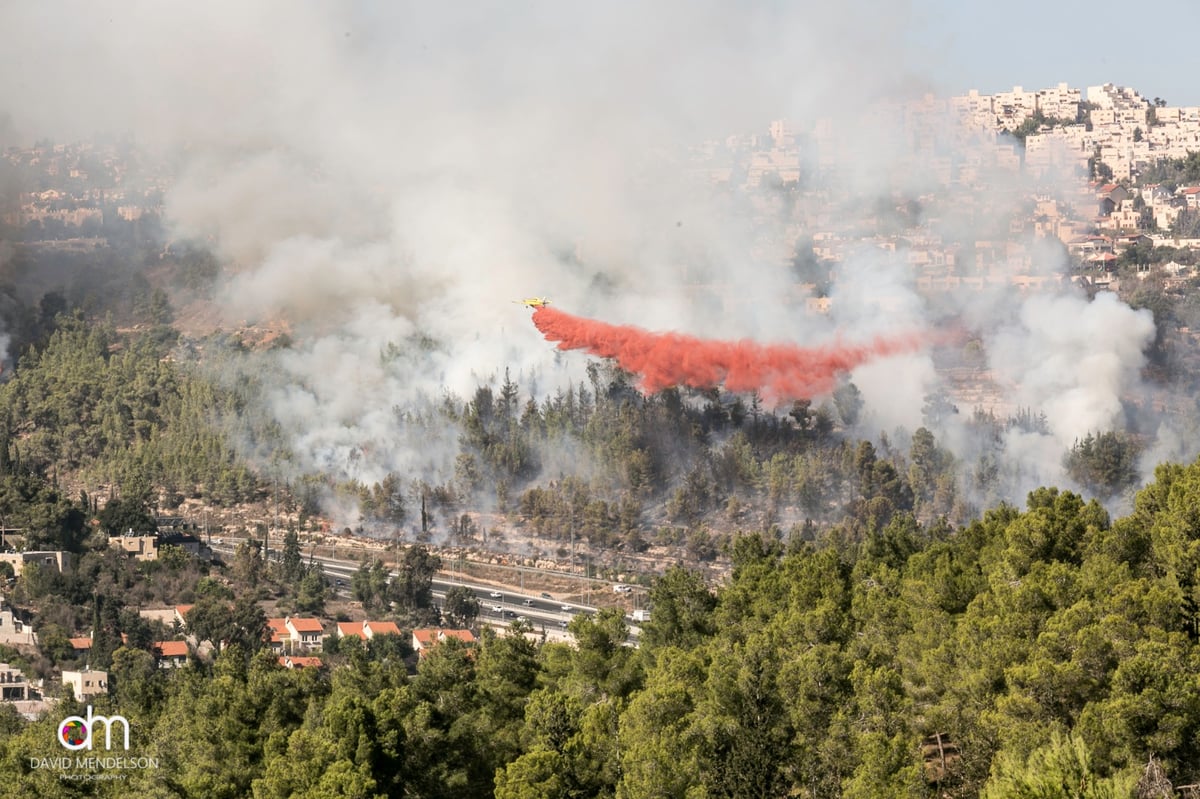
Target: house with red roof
pixel 291 634
pixel 306 633
pixel 366 630
pixel 170 654
pixel 425 639
pixel 181 613
pixel 279 634
pixel 298 662
pixel 1110 196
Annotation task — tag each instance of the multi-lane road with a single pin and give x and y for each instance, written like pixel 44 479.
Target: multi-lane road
pixel 497 606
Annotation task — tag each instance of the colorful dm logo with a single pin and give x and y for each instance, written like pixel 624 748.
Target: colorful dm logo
pixel 75 733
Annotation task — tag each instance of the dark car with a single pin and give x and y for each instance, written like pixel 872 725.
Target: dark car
pixel 546 596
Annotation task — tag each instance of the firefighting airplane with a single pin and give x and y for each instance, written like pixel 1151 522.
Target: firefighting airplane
pixel 534 302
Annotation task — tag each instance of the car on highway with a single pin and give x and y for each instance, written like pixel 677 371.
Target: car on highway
pixel 495 595
pixel 527 603
pixel 563 623
pixel 621 589
pixel 566 608
pixel 546 596
pixel 522 619
pixel 497 609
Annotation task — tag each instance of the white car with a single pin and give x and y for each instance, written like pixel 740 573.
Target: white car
pixel 495 595
pixel 566 608
pixel 621 589
pixel 527 603
pixel 497 609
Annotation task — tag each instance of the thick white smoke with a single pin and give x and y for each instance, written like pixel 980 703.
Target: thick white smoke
pixel 387 177
pixel 1073 359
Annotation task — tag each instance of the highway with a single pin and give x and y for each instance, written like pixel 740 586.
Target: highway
pixel 497 606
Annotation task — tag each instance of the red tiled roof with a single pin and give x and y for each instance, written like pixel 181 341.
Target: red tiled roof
pixel 382 627
pixel 171 649
pixel 301 662
pixel 350 628
pixel 307 625
pixel 279 630
pixel 81 643
pixel 362 628
pixel 428 637
pixel 466 636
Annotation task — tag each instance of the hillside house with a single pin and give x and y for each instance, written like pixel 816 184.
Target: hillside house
pixel 366 630
pixel 86 684
pixel 424 640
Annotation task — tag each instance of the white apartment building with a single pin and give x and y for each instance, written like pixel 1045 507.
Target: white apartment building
pixel 1013 108
pixel 87 683
pixel 1061 102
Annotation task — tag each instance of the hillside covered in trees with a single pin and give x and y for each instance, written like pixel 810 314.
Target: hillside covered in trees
pixel 1048 652
pixel 877 636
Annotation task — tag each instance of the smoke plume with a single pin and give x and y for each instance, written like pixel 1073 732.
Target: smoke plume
pixel 776 371
pixel 378 175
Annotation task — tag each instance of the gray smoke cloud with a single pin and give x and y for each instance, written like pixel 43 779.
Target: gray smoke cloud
pixel 387 179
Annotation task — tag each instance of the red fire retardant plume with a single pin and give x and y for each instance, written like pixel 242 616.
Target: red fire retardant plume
pixel 778 372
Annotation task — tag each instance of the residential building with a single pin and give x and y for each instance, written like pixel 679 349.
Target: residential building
pixel 279 635
pixel 366 629
pixel 141 547
pixel 14 631
pixel 423 640
pixel 289 634
pixel 86 684
pixel 164 615
pixel 187 542
pixel 1013 108
pixel 1061 102
pixel 306 633
pixel 1110 196
pixel 13 685
pixel 170 654
pixel 297 662
pixel 58 561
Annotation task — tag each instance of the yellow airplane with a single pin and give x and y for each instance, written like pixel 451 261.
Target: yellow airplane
pixel 534 302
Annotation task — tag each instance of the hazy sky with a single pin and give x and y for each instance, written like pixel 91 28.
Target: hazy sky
pixel 387 176
pixel 993 46
pixel 71 69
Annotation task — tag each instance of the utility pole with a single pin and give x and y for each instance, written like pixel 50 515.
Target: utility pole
pixel 275 523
